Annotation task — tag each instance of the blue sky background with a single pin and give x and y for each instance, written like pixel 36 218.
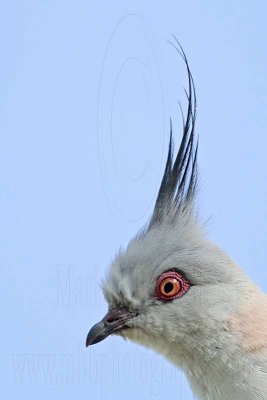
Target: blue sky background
pixel 87 89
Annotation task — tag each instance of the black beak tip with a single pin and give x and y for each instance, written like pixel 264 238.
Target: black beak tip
pixel 87 342
pixel 97 333
pixel 91 339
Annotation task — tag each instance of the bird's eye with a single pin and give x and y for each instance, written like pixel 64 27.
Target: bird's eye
pixel 171 285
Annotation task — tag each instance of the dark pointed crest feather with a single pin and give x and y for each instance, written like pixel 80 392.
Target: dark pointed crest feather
pixel 179 182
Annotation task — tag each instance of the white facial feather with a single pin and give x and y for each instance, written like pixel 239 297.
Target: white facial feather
pixel 194 331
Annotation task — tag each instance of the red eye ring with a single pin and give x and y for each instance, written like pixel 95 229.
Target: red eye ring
pixel 171 285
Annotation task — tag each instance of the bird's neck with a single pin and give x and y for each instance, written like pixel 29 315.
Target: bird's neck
pixel 230 362
pixel 219 377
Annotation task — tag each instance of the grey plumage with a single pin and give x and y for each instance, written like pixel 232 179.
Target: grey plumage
pixel 214 328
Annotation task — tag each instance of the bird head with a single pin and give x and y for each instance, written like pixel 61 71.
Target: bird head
pixel 172 288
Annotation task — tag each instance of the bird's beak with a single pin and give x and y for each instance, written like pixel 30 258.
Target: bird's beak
pixel 113 321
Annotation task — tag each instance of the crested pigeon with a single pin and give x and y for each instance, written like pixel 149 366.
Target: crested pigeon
pixel 174 291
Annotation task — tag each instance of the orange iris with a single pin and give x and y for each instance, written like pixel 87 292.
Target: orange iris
pixel 169 287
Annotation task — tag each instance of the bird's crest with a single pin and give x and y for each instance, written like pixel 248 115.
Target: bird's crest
pixel 179 182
